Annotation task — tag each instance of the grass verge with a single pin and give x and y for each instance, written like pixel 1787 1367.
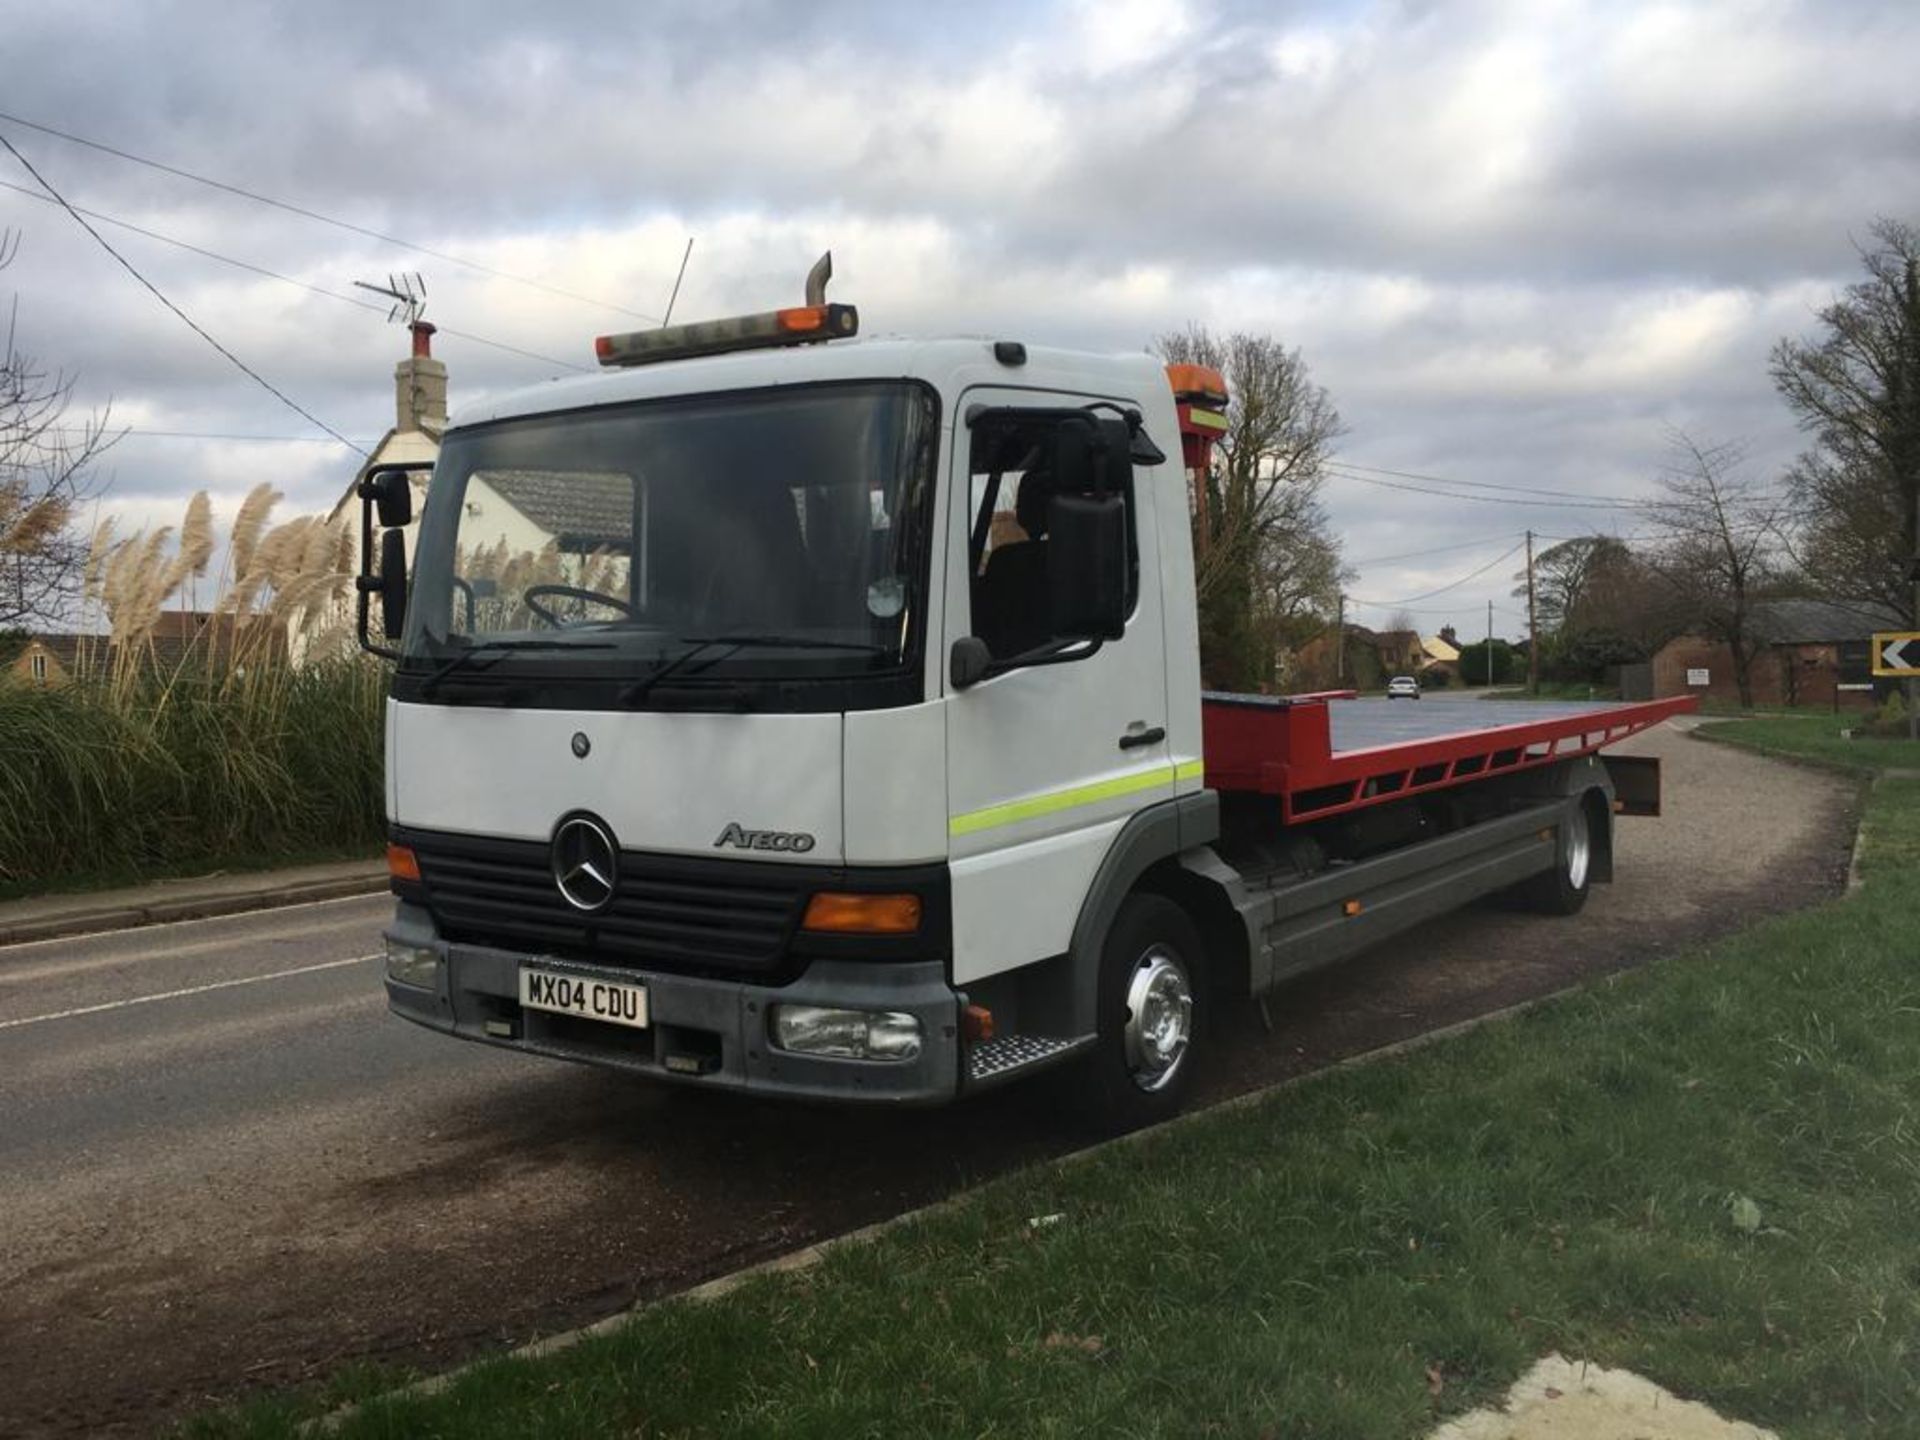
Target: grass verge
pixel 1816 737
pixel 1707 1171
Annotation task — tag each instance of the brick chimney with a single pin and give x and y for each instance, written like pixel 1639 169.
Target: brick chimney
pixel 420 385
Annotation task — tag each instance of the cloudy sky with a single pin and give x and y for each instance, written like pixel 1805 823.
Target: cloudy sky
pixel 1517 242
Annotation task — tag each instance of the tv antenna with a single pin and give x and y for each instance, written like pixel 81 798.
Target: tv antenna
pixel 408 294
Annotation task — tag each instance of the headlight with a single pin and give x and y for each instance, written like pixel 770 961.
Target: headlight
pixel 416 965
pixel 846 1034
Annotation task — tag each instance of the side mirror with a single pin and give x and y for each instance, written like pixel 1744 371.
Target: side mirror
pixel 1093 455
pixel 388 490
pixel 392 494
pixel 393 583
pixel 969 662
pixel 1087 566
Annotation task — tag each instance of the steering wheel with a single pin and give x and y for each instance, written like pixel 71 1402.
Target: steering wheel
pixel 532 595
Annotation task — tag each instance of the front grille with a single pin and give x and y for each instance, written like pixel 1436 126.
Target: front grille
pixel 723 917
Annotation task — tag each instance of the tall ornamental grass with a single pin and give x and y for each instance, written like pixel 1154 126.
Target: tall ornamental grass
pixel 255 738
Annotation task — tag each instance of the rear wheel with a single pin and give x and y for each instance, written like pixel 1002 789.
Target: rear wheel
pixel 1152 1003
pixel 1563 889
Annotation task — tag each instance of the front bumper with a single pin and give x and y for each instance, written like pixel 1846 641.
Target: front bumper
pixel 721 1024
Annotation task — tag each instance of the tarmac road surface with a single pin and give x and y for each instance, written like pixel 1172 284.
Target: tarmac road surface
pixel 224 1166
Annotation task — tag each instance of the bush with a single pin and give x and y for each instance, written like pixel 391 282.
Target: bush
pixel 259 740
pixel 1435 679
pixel 1889 718
pixel 165 770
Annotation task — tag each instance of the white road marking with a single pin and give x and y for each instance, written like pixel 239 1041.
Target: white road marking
pixel 255 914
pixel 61 969
pixel 190 990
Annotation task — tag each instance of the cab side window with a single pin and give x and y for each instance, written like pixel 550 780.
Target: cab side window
pixel 1012 488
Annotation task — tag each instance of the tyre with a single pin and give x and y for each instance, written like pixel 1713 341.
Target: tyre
pixel 1562 890
pixel 1152 1004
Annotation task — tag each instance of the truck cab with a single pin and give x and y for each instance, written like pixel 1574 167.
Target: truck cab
pixel 764 718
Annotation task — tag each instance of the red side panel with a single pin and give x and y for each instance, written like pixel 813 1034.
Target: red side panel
pixel 1282 746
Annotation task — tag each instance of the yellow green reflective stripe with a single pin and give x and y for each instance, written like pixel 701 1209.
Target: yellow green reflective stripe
pixel 1055 801
pixel 1206 419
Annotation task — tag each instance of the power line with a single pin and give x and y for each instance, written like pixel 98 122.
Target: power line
pixel 262 270
pixel 141 434
pixel 1454 585
pixel 1480 544
pixel 1613 505
pixel 332 220
pixel 1484 484
pixel 185 318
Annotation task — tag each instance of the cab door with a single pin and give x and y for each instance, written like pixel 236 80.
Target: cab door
pixel 1046 762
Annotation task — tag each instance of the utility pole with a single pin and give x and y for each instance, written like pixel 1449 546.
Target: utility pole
pixel 1533 634
pixel 1490 638
pixel 1340 640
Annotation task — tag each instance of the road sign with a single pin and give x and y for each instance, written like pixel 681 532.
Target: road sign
pixel 1897 653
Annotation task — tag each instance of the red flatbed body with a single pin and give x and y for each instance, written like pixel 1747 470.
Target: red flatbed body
pixel 1324 754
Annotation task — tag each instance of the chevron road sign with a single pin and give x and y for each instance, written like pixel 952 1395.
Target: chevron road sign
pixel 1897 653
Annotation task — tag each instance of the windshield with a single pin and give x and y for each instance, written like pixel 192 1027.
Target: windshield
pixel 755 537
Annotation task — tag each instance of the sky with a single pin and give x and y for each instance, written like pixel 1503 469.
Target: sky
pixel 1519 243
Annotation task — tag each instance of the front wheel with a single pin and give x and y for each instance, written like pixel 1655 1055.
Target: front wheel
pixel 1152 1002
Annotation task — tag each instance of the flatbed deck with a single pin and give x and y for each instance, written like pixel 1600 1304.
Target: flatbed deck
pixel 1324 754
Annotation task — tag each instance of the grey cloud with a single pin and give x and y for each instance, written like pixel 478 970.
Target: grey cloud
pixel 1269 192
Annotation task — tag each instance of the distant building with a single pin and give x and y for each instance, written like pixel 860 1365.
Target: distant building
pixel 177 637
pixel 43 660
pixel 1442 655
pixel 419 420
pixel 1400 651
pixel 1813 653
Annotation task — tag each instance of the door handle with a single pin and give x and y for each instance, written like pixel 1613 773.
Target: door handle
pixel 1133 739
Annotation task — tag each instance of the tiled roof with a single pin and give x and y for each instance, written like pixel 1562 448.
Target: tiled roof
pixel 578 510
pixel 1810 622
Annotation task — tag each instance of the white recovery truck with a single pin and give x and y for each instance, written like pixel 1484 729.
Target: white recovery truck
pixel 805 715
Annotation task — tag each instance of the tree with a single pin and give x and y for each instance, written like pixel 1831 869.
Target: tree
pixel 1267 568
pixel 1598 605
pixel 1856 389
pixel 1563 575
pixel 46 471
pixel 1719 547
pixel 1473 664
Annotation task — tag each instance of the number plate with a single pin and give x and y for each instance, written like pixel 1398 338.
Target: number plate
pixel 563 994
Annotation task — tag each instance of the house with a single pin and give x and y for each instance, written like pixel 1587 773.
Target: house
pixel 1401 651
pixel 419 420
pixel 1812 653
pixel 178 637
pixel 43 660
pixel 526 512
pixel 1442 655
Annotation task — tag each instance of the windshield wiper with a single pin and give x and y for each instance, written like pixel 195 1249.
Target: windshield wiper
pixel 485 654
pixel 696 644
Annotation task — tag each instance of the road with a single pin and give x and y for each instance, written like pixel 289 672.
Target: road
pixel 224 1166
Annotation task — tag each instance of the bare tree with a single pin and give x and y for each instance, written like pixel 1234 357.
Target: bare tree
pixel 1857 390
pixel 1720 547
pixel 1265 556
pixel 46 471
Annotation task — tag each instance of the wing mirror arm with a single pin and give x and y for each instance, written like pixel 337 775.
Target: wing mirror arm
pixel 971 662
